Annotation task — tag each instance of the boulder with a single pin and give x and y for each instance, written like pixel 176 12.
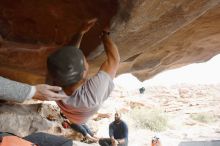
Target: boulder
pixel 152 36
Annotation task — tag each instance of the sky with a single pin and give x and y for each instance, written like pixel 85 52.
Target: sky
pixel 199 73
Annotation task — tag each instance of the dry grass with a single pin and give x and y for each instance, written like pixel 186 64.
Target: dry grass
pixel 154 120
pixel 204 117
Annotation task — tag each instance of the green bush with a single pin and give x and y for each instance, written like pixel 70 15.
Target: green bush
pixel 154 120
pixel 203 117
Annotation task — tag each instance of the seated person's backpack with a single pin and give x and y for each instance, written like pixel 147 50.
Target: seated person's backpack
pixel 8 139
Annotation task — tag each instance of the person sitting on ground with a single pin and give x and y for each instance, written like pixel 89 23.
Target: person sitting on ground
pixel 118 133
pixel 84 130
pixel 81 128
pixel 68 68
pixel 156 141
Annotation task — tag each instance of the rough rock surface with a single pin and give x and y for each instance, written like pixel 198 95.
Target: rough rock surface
pixel 25 119
pixel 152 36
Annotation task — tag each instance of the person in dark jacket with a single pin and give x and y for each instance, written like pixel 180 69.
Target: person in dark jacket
pixel 118 133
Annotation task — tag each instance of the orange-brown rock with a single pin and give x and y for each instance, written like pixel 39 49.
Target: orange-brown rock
pixel 152 36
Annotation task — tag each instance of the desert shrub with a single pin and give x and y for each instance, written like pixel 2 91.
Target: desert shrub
pixel 203 117
pixel 154 120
